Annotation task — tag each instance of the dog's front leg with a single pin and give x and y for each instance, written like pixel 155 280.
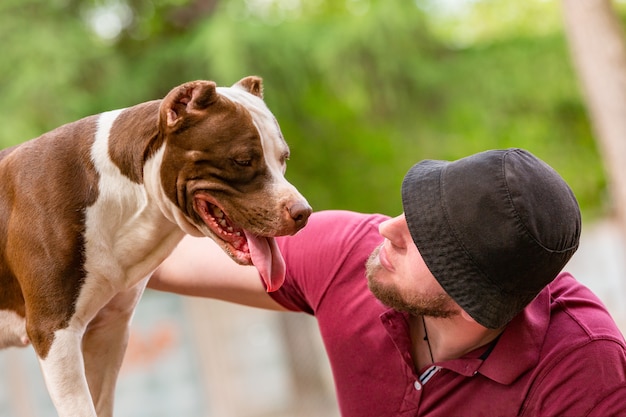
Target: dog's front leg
pixel 64 374
pixel 104 345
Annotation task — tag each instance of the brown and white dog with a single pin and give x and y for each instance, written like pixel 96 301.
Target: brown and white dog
pixel 90 209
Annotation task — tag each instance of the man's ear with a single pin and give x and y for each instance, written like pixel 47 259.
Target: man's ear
pixel 187 99
pixel 252 84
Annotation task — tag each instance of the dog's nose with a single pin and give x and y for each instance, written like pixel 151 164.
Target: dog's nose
pixel 300 213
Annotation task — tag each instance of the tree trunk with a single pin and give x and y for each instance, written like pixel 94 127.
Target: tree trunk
pixel 599 54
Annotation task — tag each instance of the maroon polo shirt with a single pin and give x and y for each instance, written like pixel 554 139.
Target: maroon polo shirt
pixel 562 356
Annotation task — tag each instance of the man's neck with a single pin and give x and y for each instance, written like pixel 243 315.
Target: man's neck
pixel 446 338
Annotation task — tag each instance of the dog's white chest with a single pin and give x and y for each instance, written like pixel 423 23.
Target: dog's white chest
pixel 124 226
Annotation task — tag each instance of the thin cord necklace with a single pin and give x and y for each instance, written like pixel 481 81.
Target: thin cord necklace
pixel 432 360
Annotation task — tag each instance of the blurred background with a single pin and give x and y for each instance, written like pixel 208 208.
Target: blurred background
pixel 362 89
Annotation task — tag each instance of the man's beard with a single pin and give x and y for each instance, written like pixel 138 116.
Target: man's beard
pixel 437 305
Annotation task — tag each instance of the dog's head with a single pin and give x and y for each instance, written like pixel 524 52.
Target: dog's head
pixel 222 172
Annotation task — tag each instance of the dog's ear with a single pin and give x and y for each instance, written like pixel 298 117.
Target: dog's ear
pixel 252 84
pixel 187 99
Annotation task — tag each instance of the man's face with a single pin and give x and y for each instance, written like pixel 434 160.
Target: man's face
pixel 398 276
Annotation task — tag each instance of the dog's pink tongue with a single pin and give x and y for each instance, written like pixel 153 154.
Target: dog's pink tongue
pixel 268 260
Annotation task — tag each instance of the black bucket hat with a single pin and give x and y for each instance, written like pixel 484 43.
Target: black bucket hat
pixel 494 228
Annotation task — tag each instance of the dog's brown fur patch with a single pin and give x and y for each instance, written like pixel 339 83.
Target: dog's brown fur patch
pixel 34 244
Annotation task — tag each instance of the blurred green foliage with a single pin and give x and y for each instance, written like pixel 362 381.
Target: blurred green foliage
pixel 362 88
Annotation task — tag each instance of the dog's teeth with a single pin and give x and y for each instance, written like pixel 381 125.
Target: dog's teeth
pixel 223 223
pixel 230 229
pixel 218 213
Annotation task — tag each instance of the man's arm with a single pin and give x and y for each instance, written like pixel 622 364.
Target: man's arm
pixel 198 267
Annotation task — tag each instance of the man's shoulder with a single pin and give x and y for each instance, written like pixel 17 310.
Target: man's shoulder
pixel 332 228
pixel 329 251
pixel 344 217
pixel 565 320
pixel 582 357
pixel 574 306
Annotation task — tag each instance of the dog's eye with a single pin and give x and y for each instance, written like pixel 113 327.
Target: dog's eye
pixel 243 162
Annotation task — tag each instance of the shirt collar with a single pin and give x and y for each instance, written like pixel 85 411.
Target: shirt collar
pixel 522 337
